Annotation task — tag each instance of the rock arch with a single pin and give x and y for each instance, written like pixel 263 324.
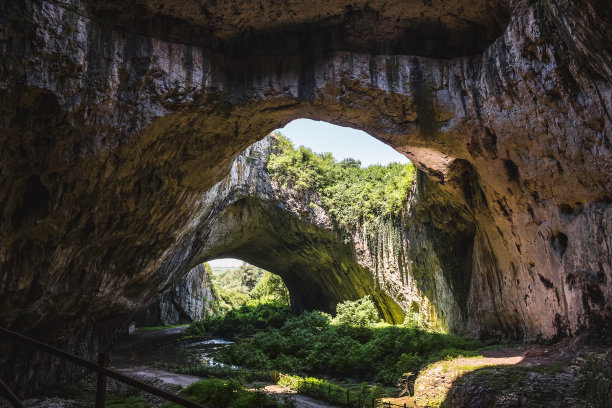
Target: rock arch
pixel 125 127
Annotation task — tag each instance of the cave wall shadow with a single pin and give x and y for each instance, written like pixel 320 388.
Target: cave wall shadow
pixel 317 266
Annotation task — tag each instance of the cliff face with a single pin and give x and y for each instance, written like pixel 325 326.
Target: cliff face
pixel 252 218
pixel 117 118
pixel 397 260
pixel 185 301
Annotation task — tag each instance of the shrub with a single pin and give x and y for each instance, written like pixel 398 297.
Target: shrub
pixel 271 288
pixel 217 393
pixel 243 321
pixel 358 313
pixel 313 344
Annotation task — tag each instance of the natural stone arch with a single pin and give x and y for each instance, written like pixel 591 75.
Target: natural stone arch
pixel 317 267
pixel 119 138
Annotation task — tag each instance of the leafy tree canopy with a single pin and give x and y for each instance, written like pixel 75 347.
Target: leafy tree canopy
pixel 349 192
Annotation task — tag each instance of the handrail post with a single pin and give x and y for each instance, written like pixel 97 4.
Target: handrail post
pixel 10 395
pixel 100 370
pixel 103 360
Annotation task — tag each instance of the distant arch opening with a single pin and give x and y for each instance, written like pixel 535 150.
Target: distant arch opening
pixel 304 213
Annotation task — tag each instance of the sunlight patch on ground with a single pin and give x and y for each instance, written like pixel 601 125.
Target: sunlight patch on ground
pixel 434 383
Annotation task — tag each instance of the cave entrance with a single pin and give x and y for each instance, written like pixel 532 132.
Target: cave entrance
pixel 308 215
pixel 342 142
pixel 236 283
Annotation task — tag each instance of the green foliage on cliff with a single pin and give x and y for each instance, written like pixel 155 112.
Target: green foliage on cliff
pixel 236 287
pixel 348 192
pixel 271 288
pixel 242 279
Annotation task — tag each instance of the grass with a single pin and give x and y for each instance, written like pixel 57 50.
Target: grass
pixel 218 393
pixel 125 400
pixel 313 344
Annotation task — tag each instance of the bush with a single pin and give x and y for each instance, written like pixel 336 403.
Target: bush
pixel 217 393
pixel 313 344
pixel 327 391
pixel 358 313
pixel 271 288
pixel 244 321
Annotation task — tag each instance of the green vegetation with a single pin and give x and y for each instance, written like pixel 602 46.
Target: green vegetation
pixel 360 313
pixel 235 287
pixel 315 343
pixel 244 321
pixel 348 192
pixel 218 393
pixel 271 288
pixel 597 370
pixel 325 390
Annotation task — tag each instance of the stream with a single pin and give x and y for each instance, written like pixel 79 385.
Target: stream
pixel 166 347
pixel 138 355
pixel 183 352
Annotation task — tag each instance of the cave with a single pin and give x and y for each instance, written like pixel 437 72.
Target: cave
pixel 118 121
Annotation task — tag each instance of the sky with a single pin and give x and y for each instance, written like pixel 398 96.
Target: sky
pixel 342 142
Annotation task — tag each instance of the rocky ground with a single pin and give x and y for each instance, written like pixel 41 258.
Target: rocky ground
pixel 562 375
pixel 565 374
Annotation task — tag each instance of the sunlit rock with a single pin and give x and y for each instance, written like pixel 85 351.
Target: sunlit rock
pixel 117 118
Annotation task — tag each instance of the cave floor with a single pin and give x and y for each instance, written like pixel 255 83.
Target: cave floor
pixel 547 375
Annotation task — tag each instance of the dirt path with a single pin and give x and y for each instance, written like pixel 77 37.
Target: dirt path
pixel 144 372
pixel 302 401
pixel 124 362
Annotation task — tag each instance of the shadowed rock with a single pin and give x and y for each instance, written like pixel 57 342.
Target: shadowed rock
pixel 113 131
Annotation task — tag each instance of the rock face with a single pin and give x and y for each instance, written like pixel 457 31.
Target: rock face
pixel 187 300
pixel 117 118
pixel 250 217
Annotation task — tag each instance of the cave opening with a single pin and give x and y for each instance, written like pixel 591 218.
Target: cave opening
pixel 119 117
pixel 328 184
pixel 300 211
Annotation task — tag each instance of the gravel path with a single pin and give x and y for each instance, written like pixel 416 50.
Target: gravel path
pixel 123 362
pixel 144 372
pixel 302 401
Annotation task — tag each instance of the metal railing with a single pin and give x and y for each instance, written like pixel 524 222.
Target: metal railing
pixel 344 397
pixel 100 368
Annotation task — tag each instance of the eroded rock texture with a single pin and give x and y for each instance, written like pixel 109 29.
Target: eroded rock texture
pixel 118 117
pixel 185 301
pixel 249 216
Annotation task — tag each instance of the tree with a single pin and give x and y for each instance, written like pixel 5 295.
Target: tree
pixel 356 313
pixel 271 287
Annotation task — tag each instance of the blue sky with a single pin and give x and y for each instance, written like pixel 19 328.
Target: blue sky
pixel 342 142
